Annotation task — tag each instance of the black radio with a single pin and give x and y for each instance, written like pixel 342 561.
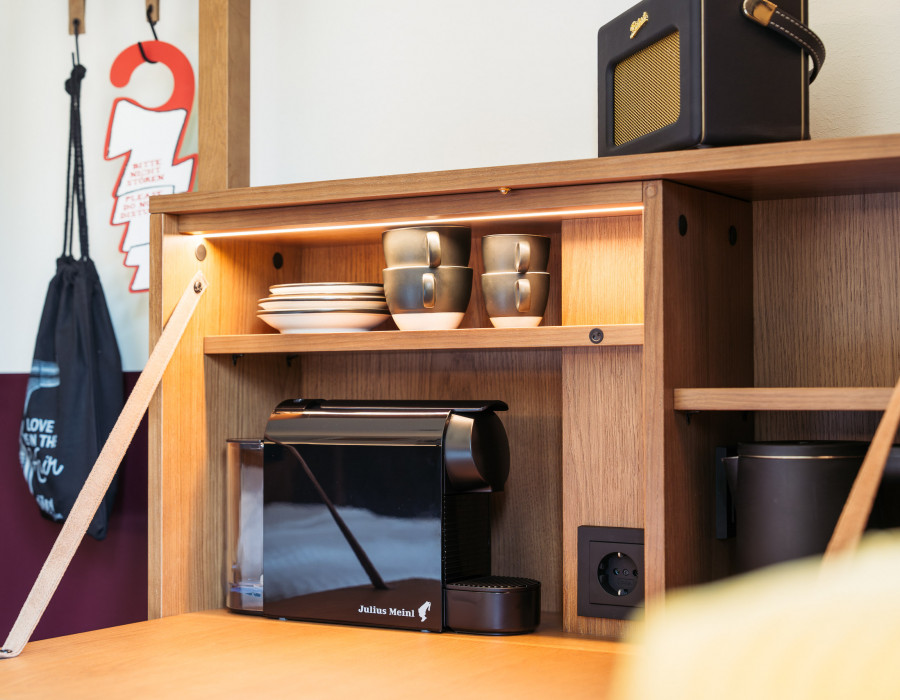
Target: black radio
pixel 684 73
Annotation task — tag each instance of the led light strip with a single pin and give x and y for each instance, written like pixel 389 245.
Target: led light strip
pixel 631 209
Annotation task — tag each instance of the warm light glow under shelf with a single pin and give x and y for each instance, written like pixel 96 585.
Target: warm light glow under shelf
pixel 430 221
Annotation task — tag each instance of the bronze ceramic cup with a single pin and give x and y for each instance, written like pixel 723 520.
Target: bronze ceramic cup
pixel 428 298
pixel 515 252
pixel 427 246
pixel 515 300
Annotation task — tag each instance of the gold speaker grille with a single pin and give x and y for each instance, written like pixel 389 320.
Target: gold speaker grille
pixel 647 90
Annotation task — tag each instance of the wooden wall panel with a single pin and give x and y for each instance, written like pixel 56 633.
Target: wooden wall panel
pixel 352 263
pixel 697 333
pixel 603 475
pixel 827 305
pixel 171 442
pixel 223 96
pixel 603 482
pixel 604 271
pixel 247 269
pixel 527 515
pixel 185 523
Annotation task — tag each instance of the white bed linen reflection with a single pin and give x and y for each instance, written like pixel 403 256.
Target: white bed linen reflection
pixel 306 552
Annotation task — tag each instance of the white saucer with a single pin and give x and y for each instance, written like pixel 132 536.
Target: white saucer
pixel 516 321
pixel 313 302
pixel 324 320
pixel 298 288
pixel 437 321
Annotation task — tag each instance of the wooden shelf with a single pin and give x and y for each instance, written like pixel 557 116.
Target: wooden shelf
pixel 458 339
pixel 220 654
pixel 765 171
pixel 783 399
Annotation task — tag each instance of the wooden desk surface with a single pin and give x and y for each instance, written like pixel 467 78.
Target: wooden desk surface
pixel 217 654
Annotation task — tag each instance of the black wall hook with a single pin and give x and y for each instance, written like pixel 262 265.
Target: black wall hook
pixel 144 55
pixel 75 24
pixel 152 24
pixel 152 29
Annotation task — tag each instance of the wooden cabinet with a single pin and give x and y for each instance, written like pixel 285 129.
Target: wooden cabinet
pixel 710 275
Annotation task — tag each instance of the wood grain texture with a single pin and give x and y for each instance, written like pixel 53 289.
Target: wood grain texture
pixel 858 507
pixel 603 472
pixel 76 11
pixel 459 339
pixel 219 654
pixel 783 399
pixel 160 225
pixel 827 305
pixel 153 7
pixel 186 475
pixel 604 272
pixel 655 407
pixel 356 217
pixel 223 96
pixel 171 442
pixel 526 517
pixel 603 462
pixel 764 171
pixel 698 333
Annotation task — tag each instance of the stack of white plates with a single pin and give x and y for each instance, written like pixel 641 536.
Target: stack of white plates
pixel 324 307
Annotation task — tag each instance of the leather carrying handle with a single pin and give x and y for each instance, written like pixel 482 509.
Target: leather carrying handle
pixel 102 472
pixel 768 14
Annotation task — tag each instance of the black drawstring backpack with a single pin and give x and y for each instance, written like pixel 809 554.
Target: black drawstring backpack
pixel 75 391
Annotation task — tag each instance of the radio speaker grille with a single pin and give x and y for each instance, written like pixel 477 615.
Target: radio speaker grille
pixel 647 90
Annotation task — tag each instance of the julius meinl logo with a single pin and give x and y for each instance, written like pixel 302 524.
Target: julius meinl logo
pixel 397 612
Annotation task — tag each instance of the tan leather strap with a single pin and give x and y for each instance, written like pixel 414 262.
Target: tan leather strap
pixel 855 515
pixel 102 472
pixel 768 14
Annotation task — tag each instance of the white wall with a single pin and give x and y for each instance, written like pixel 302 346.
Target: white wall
pixel 36 51
pixel 354 88
pixel 348 88
pixel 351 88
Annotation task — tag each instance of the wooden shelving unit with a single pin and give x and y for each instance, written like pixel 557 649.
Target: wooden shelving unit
pixel 783 399
pixel 750 267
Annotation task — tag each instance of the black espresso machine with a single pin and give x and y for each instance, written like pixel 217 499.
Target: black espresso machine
pixel 374 513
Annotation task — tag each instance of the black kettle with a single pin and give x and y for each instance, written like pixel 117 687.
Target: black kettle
pixel 788 497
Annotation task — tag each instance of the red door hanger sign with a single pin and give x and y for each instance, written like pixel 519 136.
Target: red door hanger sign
pixel 149 139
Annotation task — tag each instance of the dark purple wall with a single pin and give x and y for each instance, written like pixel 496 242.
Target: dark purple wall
pixel 106 583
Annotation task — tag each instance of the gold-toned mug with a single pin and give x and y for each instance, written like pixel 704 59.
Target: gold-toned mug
pixel 515 252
